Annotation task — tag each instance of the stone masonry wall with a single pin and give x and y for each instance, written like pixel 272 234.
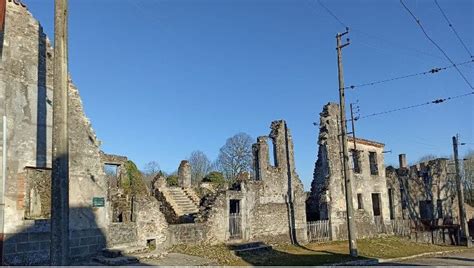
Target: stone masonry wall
pixel 431 181
pixel 277 195
pixel 26 100
pixel 327 197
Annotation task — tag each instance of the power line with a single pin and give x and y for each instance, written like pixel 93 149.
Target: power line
pixel 372 35
pixel 436 101
pixel 452 28
pixel 435 44
pixel 431 71
pixel 332 14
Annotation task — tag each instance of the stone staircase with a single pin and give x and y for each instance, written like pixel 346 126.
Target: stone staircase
pixel 181 202
pixel 192 195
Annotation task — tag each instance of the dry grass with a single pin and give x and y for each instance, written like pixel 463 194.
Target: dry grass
pixel 313 254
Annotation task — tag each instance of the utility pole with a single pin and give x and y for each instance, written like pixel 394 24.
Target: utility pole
pixel 60 174
pixel 462 211
pixel 355 152
pixel 347 180
pixel 353 129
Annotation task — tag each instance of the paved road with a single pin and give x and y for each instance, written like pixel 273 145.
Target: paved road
pixel 465 258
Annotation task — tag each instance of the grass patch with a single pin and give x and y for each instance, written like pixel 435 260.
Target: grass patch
pixel 313 253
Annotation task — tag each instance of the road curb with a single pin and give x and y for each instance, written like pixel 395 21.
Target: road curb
pixel 377 261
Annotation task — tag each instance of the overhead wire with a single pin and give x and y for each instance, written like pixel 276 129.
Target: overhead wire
pixel 372 35
pixel 452 28
pixel 332 14
pixel 431 71
pixel 434 43
pixel 436 101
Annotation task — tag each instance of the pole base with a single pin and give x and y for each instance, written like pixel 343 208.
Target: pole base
pixel 354 253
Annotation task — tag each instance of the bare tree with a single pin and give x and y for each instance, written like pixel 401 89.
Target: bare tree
pixel 150 171
pixel 200 166
pixel 235 156
pixel 468 177
pixel 426 158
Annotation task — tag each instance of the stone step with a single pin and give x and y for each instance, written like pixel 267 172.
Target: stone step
pixel 253 249
pixel 127 249
pixel 179 197
pixel 184 204
pixel 117 261
pixel 243 246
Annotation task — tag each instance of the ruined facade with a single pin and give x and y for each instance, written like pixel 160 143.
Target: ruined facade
pixel 26 78
pixel 269 207
pixel 425 192
pixel 327 197
pixel 26 102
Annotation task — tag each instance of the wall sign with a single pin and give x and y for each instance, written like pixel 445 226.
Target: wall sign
pixel 98 202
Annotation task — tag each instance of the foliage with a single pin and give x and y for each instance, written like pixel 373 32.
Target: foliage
pixel 172 180
pixel 235 156
pixel 427 157
pixel 133 182
pixel 151 170
pixel 214 177
pixel 200 166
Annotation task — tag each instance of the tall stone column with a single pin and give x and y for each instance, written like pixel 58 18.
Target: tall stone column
pixel 184 174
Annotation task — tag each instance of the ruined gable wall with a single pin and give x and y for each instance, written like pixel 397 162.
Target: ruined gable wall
pixel 269 216
pixel 26 93
pixel 328 190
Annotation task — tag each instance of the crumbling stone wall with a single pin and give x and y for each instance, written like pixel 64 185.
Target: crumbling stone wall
pixel 327 197
pixel 279 207
pixel 151 223
pixel 184 174
pixel 26 98
pixel 272 205
pixel 427 190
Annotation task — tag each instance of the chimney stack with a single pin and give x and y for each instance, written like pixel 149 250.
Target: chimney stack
pixel 402 160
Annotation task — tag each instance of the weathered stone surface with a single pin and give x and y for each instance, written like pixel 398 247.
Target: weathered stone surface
pixel 184 174
pixel 151 223
pixel 271 206
pixel 424 192
pixel 327 197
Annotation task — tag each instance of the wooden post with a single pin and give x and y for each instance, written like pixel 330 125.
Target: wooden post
pixel 352 236
pixel 60 172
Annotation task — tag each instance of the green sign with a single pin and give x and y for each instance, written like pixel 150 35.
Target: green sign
pixel 98 202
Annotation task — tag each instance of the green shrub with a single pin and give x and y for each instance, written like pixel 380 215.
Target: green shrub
pixel 133 182
pixel 172 180
pixel 214 177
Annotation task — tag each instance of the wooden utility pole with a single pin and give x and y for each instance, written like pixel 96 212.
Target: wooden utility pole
pixel 462 211
pixel 352 236
pixel 60 173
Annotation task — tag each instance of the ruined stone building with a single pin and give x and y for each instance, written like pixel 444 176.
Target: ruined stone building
pixel 268 207
pixel 26 101
pixel 425 192
pixel 370 195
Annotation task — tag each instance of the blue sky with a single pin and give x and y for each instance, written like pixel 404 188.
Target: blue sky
pixel 160 79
